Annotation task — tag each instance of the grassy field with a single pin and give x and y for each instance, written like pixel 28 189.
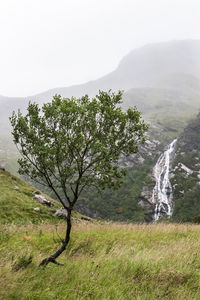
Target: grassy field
pixel 103 261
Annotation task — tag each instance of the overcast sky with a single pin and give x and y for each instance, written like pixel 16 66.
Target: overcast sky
pixel 53 43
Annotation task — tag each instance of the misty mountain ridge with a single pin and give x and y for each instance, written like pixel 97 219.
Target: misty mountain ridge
pixel 173 64
pixel 163 81
pixel 142 67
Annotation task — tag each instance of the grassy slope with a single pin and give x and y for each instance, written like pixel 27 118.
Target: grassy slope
pixel 17 205
pixel 105 261
pixel 168 108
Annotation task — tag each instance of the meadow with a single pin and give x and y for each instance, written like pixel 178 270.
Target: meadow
pixel 103 261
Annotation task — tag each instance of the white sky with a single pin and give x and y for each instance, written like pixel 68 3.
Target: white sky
pixel 52 43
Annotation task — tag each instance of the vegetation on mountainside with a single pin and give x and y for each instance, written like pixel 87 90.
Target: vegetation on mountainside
pixel 186 184
pixel 105 261
pixel 168 109
pixel 17 205
pixel 121 204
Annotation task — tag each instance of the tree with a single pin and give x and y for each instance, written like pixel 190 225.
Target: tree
pixel 73 144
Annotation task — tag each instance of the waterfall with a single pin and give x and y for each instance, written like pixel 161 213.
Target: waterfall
pixel 162 195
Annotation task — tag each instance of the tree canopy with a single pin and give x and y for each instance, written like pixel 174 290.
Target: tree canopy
pixel 71 144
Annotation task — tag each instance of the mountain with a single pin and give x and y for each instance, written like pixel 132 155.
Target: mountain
pixel 163 81
pixel 152 65
pixel 142 67
pixel 169 106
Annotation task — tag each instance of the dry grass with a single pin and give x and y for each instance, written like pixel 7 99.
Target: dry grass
pixel 155 227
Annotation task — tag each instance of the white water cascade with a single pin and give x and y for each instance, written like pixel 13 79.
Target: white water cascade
pixel 162 195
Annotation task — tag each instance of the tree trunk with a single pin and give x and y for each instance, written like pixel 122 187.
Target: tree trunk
pixel 52 258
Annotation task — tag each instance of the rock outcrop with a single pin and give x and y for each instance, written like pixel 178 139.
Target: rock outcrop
pixel 42 199
pixel 61 213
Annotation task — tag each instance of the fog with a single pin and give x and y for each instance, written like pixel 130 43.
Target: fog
pixel 49 43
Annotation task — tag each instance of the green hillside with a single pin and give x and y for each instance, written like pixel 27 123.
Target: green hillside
pixel 170 109
pixel 17 205
pixel 186 179
pixel 121 204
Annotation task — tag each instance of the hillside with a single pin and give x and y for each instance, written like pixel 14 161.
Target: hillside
pixel 186 178
pixel 19 207
pixel 146 66
pixel 168 108
pixel 122 204
pixel 163 81
pixel 142 67
pixel 103 261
